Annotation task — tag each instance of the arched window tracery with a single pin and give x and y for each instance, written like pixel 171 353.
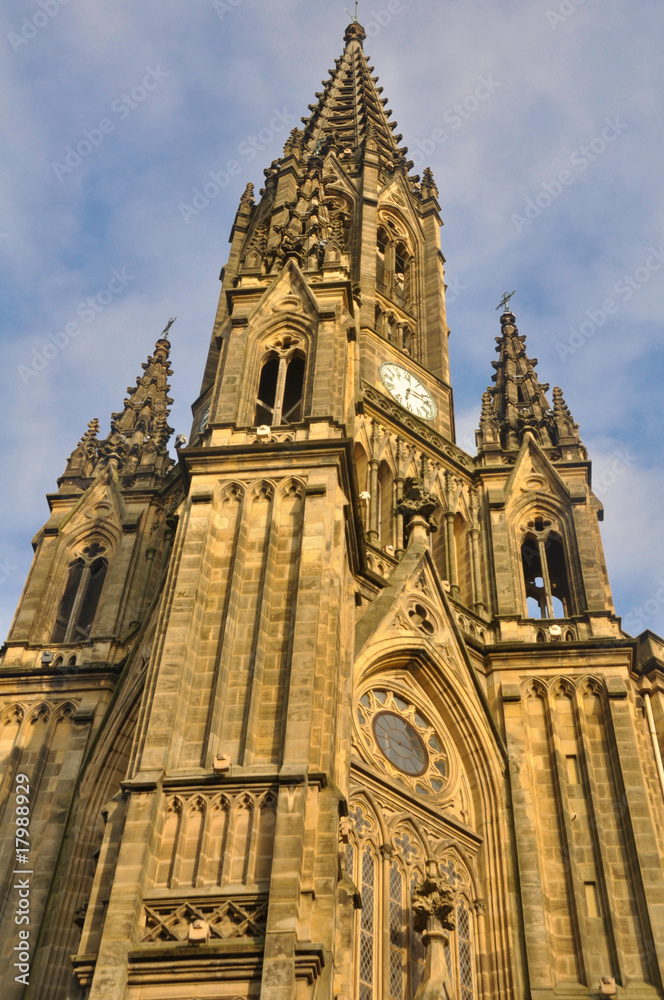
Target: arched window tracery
pixel 394 265
pixel 280 398
pixel 545 571
pixel 80 600
pixel 367 962
pixel 459 953
pixel 385 505
pixel 389 954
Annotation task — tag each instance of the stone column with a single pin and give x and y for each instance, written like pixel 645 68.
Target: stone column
pixel 451 554
pixel 434 907
pixel 478 604
pixel 399 544
pixel 372 533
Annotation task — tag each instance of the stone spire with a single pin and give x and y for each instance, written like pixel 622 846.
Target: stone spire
pixel 350 112
pixel 517 404
pixel 302 213
pixel 137 444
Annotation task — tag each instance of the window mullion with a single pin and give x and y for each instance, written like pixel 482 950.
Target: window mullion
pixel 545 577
pixel 279 392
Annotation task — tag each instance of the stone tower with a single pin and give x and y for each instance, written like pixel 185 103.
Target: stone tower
pixel 330 710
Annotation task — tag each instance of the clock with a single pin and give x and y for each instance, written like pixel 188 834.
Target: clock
pixel 408 391
pixel 398 738
pixel 401 743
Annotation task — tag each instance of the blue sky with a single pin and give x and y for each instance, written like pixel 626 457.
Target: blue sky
pixel 540 119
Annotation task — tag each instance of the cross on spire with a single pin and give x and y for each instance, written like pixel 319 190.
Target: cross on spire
pixel 505 299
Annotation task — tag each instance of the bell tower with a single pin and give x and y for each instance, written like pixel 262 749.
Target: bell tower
pixel 331 709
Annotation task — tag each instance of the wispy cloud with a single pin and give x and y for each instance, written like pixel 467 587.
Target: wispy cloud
pixel 558 84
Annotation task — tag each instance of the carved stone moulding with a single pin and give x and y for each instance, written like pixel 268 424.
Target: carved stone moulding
pixel 172 919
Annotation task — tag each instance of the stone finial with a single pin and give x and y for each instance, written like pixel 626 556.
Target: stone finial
pixel 137 443
pixel 429 187
pixel 417 501
pixel 560 407
pixel 248 195
pixel 486 413
pixel 434 902
pixel 354 32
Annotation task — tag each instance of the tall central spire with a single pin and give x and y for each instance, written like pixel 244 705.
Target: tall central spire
pixel 350 110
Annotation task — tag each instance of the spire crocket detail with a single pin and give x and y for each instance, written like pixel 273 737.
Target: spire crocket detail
pixel 517 404
pixel 137 443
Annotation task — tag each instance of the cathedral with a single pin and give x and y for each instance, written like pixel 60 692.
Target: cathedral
pixel 320 706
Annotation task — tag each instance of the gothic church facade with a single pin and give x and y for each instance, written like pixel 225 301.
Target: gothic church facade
pixel 330 709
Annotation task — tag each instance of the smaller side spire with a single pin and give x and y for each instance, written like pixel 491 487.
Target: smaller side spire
pixel 568 431
pixel 429 186
pixel 137 444
pixel 517 403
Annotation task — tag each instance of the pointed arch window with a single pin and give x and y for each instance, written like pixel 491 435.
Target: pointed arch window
pixel 393 265
pixel 281 389
pixel 367 925
pixel 385 504
pixel 464 951
pixel 396 932
pixel 389 954
pixel 545 573
pixel 83 589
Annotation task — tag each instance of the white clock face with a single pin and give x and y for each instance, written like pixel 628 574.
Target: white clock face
pixel 408 391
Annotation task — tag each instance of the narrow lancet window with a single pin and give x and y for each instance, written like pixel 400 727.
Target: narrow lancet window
pixel 367 926
pixel 545 576
pixel 78 607
pixel 281 390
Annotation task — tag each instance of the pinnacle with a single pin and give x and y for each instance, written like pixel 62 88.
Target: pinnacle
pixel 138 439
pixel 517 403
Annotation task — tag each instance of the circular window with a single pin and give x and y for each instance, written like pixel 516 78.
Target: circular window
pixel 400 742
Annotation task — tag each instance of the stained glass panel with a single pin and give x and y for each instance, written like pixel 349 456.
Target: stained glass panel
pixel 396 933
pixel 367 926
pixel 465 951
